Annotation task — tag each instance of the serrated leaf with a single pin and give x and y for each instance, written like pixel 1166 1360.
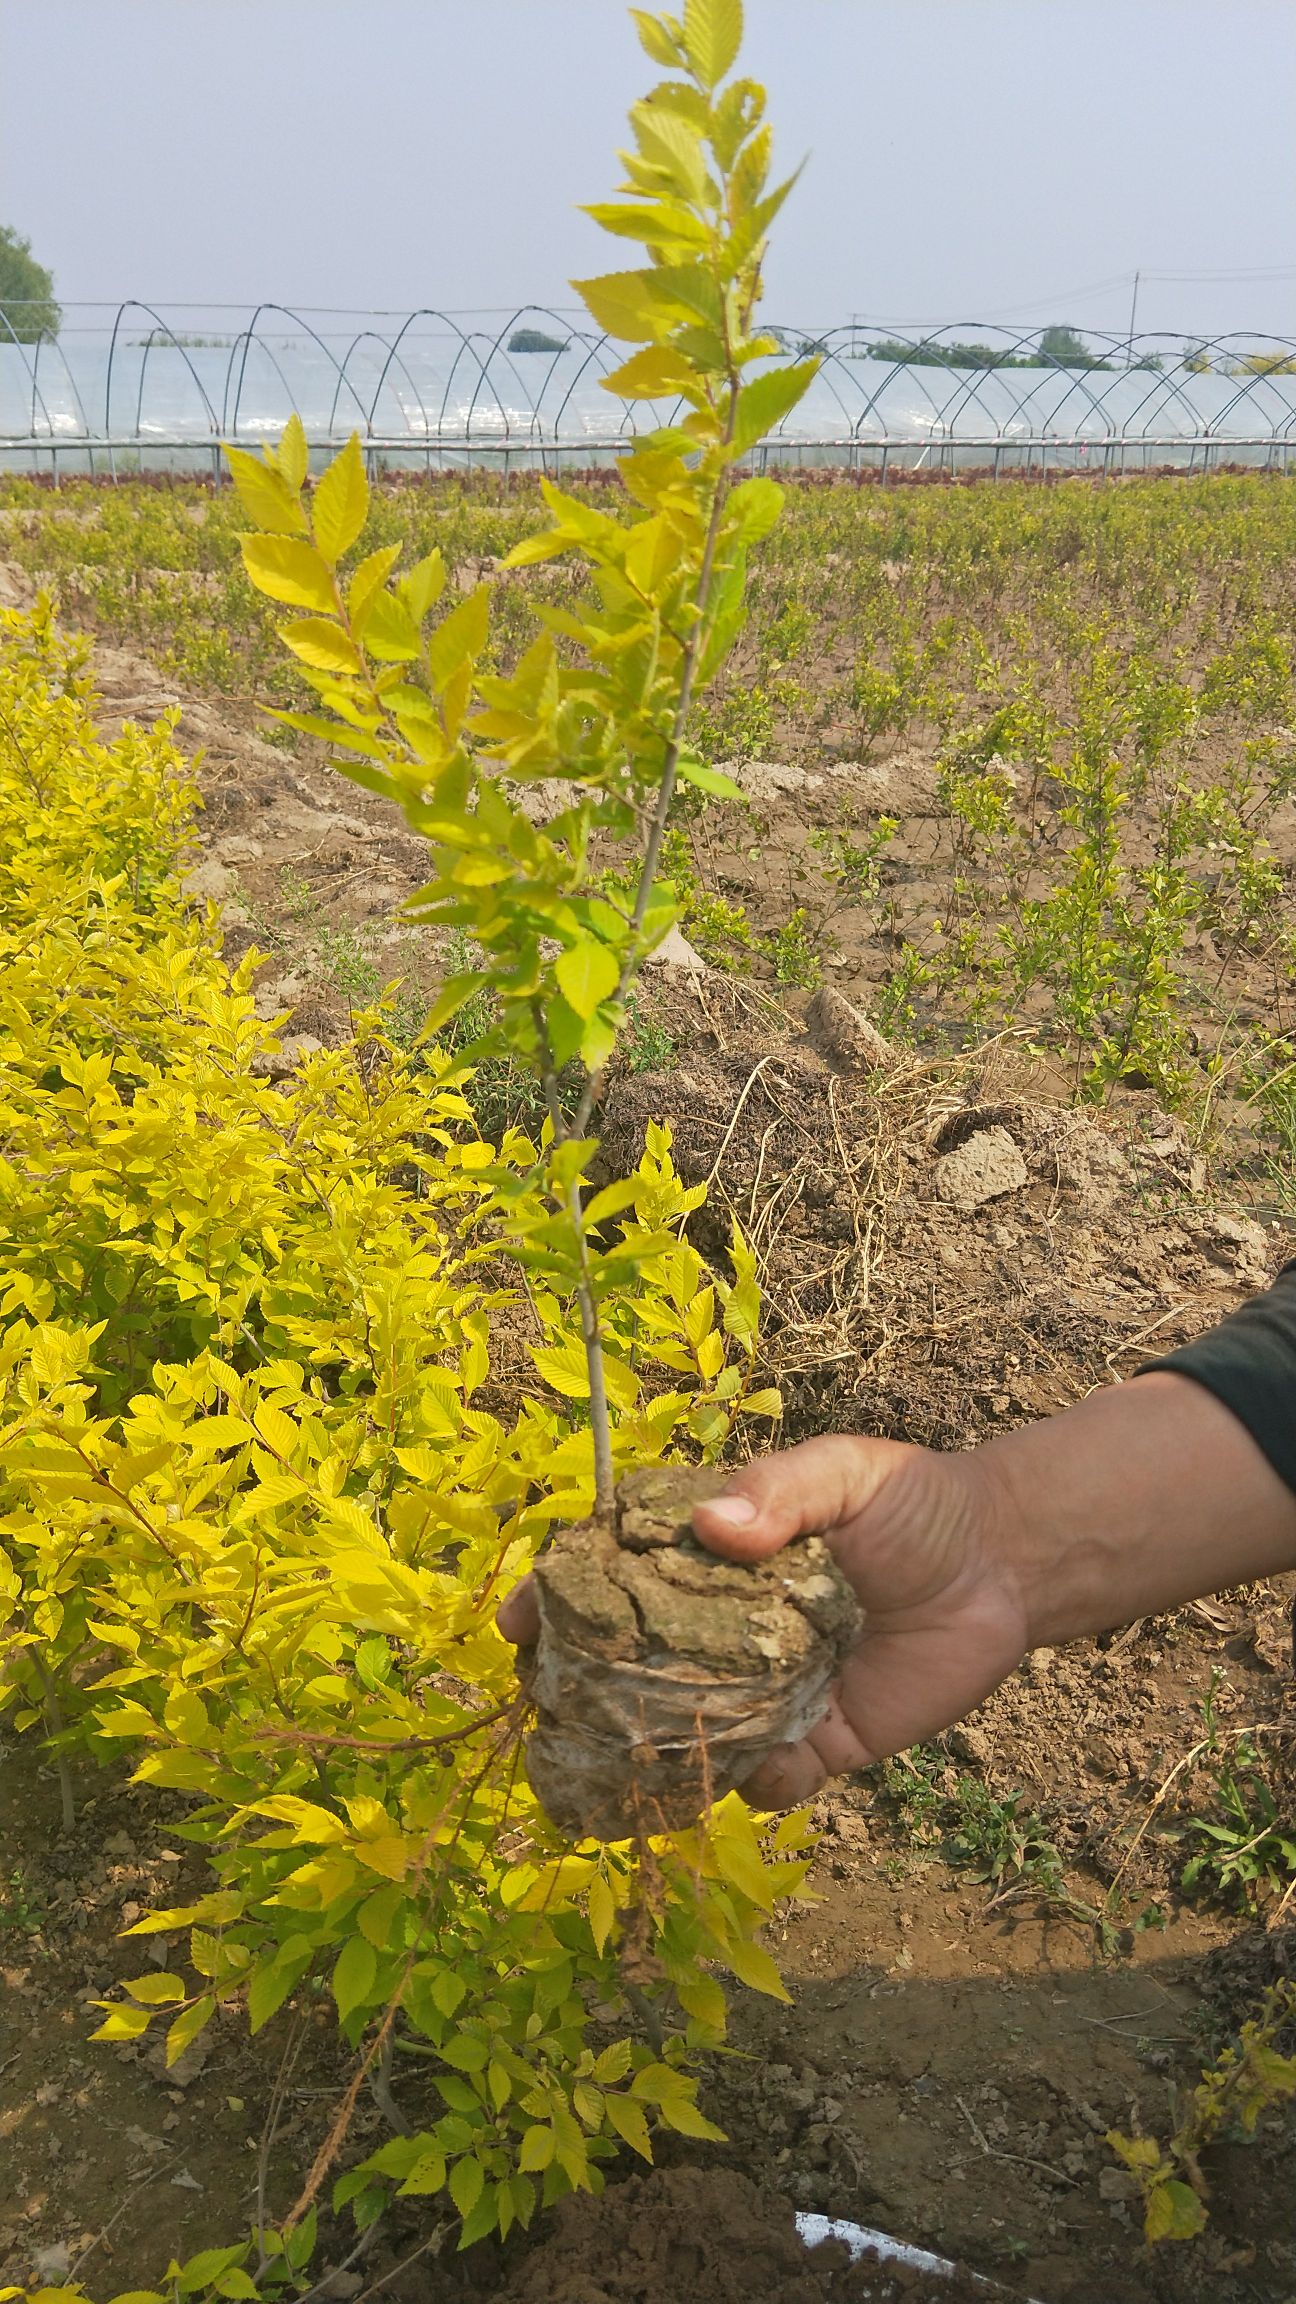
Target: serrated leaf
pixel 766 1403
pixel 391 633
pixel 625 305
pixel 654 39
pixel 265 495
pixel 628 2120
pixel 321 643
pixel 155 1991
pixel 536 2149
pixel 712 37
pixel 187 2026
pixel 288 570
pixel 293 454
pixel 767 400
pixel 340 504
pixel 354 1974
pixel 753 1966
pixel 428 2174
pixel 466 2180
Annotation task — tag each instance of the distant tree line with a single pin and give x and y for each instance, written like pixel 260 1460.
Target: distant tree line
pixel 27 307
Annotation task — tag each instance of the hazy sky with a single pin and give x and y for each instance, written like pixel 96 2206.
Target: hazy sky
pixel 1008 160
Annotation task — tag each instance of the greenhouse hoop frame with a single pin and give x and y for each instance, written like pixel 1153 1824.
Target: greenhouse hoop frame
pixel 127 387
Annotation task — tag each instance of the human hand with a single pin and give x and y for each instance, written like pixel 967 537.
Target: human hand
pixel 917 1535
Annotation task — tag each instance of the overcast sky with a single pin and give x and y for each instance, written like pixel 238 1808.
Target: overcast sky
pixel 1010 160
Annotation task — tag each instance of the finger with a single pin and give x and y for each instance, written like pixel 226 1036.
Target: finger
pixel 518 1616
pixel 837 1744
pixel 814 1487
pixel 786 1776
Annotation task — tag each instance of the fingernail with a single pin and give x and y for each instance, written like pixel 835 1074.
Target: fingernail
pixel 735 1511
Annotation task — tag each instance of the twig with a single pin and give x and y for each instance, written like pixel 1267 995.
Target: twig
pixel 1020 2159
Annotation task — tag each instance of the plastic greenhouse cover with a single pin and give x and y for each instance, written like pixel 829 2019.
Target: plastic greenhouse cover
pixel 437 386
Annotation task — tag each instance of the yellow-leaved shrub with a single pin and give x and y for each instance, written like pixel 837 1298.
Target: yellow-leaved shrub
pixel 260 1493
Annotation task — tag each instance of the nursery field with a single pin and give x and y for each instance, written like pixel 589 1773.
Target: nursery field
pixel 1013 869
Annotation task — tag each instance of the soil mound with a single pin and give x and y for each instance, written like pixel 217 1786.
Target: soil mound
pixel 694 2236
pixel 663 1675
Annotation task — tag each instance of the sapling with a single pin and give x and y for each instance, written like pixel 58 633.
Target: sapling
pixel 601 698
pixel 601 701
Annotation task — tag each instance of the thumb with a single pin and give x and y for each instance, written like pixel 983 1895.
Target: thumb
pixel 816 1488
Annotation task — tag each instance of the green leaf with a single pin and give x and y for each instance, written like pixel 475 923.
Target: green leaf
pixel 536 2149
pixel 466 2052
pixel 742 1311
pixel 289 571
pixel 712 780
pixel 466 2180
pixel 292 454
pixel 712 37
pixel 428 2174
pixel 340 504
pixel 767 1403
pixel 1173 2212
pixel 265 495
pixel 321 643
pixel 587 973
pixel 753 508
pixel 355 1972
pixel 767 400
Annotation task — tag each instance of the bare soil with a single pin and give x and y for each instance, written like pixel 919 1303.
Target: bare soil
pixel 954 2050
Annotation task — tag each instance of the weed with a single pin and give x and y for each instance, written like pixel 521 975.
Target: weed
pixel 649 1045
pixel 791 952
pixel 346 963
pixel 1247 1844
pixel 23 1911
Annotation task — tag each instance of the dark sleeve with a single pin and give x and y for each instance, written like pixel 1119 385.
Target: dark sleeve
pixel 1249 1362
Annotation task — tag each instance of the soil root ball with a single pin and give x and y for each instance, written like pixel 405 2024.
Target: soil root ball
pixel 662 1674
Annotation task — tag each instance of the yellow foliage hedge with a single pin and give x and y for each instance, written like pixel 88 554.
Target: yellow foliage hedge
pixel 255 1514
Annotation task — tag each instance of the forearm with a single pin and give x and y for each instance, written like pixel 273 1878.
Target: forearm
pixel 1144 1496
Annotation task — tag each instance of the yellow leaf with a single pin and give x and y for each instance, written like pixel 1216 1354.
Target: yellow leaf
pixel 340 504
pixel 602 1912
pixel 753 1966
pixel 321 644
pixel 628 2119
pixel 289 571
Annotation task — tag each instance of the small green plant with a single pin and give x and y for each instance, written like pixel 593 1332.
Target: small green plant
pixel 23 1911
pixel 1246 1846
pixel 650 1045
pixel 791 951
pixel 852 864
pixel 1234 2093
pixel 347 964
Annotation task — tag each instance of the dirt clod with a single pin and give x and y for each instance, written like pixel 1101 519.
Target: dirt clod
pixel 662 1674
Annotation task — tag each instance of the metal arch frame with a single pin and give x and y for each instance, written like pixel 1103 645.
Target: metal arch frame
pixel 248 336
pixel 155 322
pixel 529 423
pixel 33 370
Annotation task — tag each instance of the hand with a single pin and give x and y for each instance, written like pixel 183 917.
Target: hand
pixel 945 1615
